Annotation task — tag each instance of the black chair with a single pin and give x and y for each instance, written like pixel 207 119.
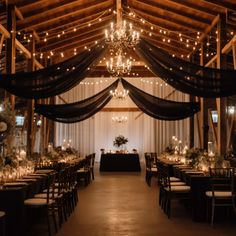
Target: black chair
pixel 172 190
pixel 92 160
pixel 47 203
pixel 222 191
pixel 2 223
pixel 151 171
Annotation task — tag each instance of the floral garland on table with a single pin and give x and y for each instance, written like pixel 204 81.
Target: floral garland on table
pixel 120 140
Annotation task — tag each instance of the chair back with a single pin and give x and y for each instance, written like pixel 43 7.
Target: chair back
pixel 165 177
pixel 148 161
pixel 51 186
pixel 222 179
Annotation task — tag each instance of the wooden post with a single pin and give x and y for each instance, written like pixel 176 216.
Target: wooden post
pixel 11 46
pixel 30 110
pixel 221 103
pixel 204 111
pixel 191 126
pixel 10 60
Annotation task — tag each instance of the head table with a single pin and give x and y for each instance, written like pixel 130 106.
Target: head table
pixel 127 162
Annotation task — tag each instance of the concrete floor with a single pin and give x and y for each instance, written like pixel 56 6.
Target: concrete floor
pixel 122 204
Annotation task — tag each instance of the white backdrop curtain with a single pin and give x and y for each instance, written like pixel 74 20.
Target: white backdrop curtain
pixel 143 132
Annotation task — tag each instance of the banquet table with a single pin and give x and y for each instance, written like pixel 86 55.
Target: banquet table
pixel 12 198
pixel 120 162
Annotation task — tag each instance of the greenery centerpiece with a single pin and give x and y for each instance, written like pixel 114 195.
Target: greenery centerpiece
pixel 120 141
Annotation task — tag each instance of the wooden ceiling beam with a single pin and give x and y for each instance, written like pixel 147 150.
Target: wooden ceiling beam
pixel 166 25
pixel 224 4
pixel 43 5
pixel 155 13
pixel 21 17
pixel 82 43
pixel 60 14
pixel 21 2
pixel 20 46
pixel 194 5
pixel 166 8
pixel 172 49
pixel 85 30
pixel 85 34
pixel 207 31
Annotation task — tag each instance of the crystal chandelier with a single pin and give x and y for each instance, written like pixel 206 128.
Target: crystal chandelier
pixel 121 35
pixel 119 94
pixel 119 119
pixel 118 65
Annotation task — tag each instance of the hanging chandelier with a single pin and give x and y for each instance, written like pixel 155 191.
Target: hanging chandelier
pixel 119 94
pixel 121 35
pixel 118 65
pixel 119 119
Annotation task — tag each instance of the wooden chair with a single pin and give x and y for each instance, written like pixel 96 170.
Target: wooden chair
pixel 2 223
pixel 222 191
pixel 47 203
pixel 172 190
pixel 92 165
pixel 83 173
pixel 151 171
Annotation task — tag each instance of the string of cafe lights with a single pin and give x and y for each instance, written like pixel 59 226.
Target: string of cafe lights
pixel 148 81
pixel 25 38
pixel 189 41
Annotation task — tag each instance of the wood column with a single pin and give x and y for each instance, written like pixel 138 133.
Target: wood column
pixel 30 103
pixel 10 60
pixel 204 111
pixel 11 47
pixel 191 126
pixel 221 103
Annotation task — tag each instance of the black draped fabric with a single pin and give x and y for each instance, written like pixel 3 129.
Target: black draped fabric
pixel 78 111
pixel 159 108
pixel 54 79
pixel 185 76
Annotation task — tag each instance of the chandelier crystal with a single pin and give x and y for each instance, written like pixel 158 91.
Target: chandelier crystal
pixel 119 119
pixel 121 35
pixel 118 65
pixel 119 94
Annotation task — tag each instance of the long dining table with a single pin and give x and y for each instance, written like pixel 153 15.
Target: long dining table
pixel 12 196
pixel 199 183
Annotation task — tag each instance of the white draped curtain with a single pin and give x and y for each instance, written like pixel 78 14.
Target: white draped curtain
pixel 143 132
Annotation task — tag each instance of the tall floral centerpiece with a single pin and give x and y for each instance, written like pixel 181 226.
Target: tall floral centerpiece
pixel 7 125
pixel 120 141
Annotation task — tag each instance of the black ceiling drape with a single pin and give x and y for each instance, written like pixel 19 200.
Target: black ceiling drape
pixel 54 79
pixel 78 111
pixel 185 76
pixel 159 108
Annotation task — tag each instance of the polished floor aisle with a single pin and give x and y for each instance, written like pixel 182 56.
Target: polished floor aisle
pixel 122 204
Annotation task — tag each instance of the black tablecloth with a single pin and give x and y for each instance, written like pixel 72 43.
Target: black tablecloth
pixel 120 162
pixel 12 203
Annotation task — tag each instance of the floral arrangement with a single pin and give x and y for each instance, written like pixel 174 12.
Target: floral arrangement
pixel 120 140
pixel 193 156
pixel 7 121
pixel 170 150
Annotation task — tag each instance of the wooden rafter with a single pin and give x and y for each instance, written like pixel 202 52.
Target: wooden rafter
pixel 46 18
pixel 226 4
pixel 167 18
pixel 197 6
pixel 73 36
pixel 20 46
pixel 82 43
pixel 177 13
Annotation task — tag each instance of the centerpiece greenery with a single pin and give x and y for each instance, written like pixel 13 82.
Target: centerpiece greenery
pixel 193 156
pixel 119 141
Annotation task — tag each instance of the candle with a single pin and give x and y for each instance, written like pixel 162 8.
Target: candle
pixel 22 154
